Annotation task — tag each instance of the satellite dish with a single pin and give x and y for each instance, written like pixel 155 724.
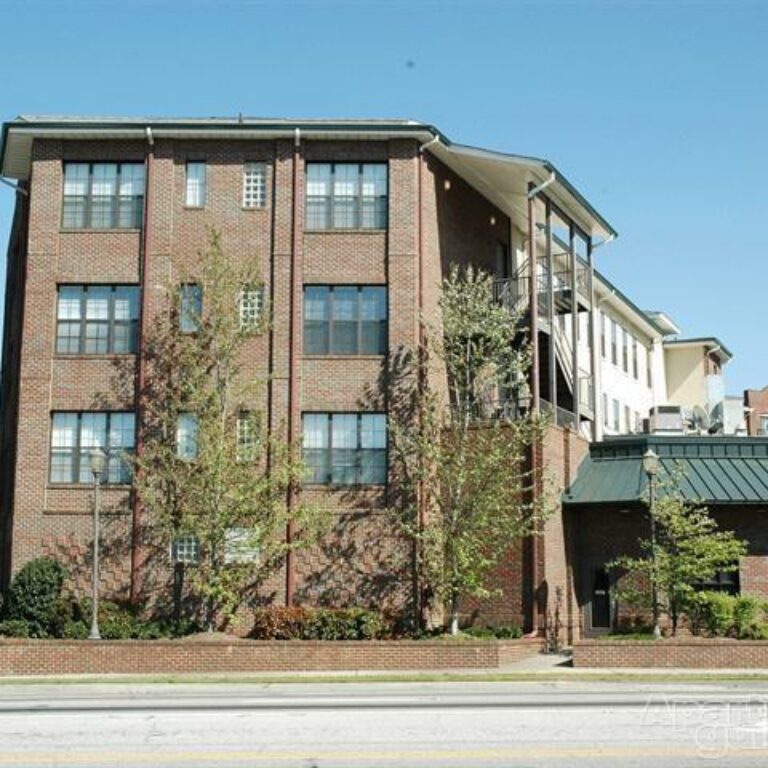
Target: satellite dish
pixel 700 419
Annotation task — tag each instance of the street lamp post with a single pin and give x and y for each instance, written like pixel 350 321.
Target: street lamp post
pixel 98 460
pixel 651 469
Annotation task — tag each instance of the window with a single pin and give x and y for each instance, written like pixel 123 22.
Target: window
pixel 248 436
pixel 606 413
pixel 345 320
pixel 603 345
pixel 616 415
pixel 185 549
pixel 721 581
pixel 97 319
pixel 614 348
pixel 649 367
pixel 635 367
pixel 763 428
pixel 103 196
pixel 625 354
pixel 241 546
pixel 186 436
pixel 346 196
pixel 627 419
pixel 195 185
pixel 251 305
pixel 346 448
pixel 191 307
pixel 254 185
pixel 75 434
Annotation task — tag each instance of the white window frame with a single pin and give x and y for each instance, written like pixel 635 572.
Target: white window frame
pixel 195 184
pixel 251 307
pixel 254 185
pixel 185 549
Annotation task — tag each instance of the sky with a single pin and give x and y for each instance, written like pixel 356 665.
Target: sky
pixel 656 111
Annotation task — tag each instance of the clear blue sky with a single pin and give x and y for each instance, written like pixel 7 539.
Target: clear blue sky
pixel 657 111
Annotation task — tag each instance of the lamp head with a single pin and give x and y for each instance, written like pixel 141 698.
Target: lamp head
pixel 650 463
pixel 98 461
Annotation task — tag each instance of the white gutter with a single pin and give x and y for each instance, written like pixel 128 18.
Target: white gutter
pixel 150 137
pixel 427 144
pixel 535 191
pixel 14 187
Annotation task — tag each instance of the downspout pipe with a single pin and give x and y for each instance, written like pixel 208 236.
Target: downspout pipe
pixel 419 600
pixel 294 414
pixel 145 313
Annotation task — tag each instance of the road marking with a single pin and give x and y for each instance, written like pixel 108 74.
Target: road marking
pixel 514 754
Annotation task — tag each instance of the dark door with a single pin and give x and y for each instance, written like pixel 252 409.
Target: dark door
pixel 600 598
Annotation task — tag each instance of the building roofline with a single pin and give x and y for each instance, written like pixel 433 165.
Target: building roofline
pixel 713 341
pixel 27 127
pixel 631 304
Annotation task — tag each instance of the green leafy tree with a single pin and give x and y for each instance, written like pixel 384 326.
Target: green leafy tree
pixel 209 471
pixel 460 445
pixel 690 549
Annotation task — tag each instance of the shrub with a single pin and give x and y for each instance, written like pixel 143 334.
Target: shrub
pixel 298 623
pixel 14 628
pixel 711 613
pixel 748 621
pixel 510 632
pixel 74 630
pixel 34 593
pixel 279 623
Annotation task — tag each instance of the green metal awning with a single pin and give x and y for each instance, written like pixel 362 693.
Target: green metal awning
pixel 713 470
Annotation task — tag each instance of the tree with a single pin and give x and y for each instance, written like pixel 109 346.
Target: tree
pixel 460 453
pixel 210 472
pixel 690 549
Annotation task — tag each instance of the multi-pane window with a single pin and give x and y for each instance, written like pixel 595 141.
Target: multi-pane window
pixel 241 546
pixel 603 321
pixel 254 185
pixel 185 549
pixel 97 319
pixel 721 581
pixel 194 195
pixel 75 435
pixel 625 353
pixel 346 196
pixel 345 448
pixel 614 341
pixel 345 320
pixel 635 366
pixel 627 418
pixel 103 196
pixel 191 307
pixel 606 413
pixel 616 415
pixel 251 306
pixel 186 436
pixel 248 436
pixel 649 367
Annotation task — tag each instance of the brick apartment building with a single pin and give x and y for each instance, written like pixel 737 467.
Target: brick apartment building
pixel 361 216
pixel 354 223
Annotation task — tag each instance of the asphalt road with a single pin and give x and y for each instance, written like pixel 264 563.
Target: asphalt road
pixel 389 724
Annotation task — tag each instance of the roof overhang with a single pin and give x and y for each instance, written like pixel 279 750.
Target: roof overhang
pixel 711 345
pixel 608 294
pixel 721 470
pixel 504 179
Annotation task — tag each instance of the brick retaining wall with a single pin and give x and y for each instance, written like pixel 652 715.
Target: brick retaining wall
pixel 65 657
pixel 690 653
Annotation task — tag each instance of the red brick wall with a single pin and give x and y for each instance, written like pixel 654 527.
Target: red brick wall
pixel 757 400
pixel 688 653
pixel 68 657
pixel 364 560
